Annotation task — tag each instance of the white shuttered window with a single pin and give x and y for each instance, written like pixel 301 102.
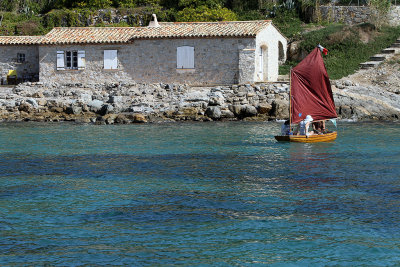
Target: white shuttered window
pixel 81 60
pixel 110 60
pixel 185 57
pixel 60 60
pixel 70 60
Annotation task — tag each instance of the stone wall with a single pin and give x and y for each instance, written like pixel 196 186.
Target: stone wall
pixel 345 14
pixel 355 14
pixel 8 61
pixel 394 16
pixel 152 61
pixel 246 65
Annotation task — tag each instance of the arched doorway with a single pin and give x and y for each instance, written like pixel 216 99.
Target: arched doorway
pixel 281 52
pixel 262 63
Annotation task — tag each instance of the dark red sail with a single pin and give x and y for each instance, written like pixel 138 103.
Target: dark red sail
pixel 311 92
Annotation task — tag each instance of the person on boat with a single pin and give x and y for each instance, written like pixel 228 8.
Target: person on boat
pixel 319 127
pixel 285 129
pixel 302 128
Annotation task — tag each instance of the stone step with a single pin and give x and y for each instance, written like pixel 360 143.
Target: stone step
pixel 388 51
pixel 397 44
pixel 369 64
pixel 378 57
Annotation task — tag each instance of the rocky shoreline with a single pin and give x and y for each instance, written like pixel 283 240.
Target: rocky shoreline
pixel 372 94
pixel 137 103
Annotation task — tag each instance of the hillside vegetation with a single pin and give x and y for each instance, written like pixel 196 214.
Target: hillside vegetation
pixel 348 46
pixel 20 17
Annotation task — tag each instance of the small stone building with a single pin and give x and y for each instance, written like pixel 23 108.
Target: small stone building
pixel 20 53
pixel 198 53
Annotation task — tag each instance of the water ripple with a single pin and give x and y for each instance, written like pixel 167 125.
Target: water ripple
pixel 197 194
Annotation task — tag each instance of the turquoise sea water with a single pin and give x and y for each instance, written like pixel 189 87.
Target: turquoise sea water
pixel 198 194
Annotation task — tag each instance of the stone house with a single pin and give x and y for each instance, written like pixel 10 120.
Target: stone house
pixel 198 53
pixel 20 53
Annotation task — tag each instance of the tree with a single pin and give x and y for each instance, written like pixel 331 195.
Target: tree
pixel 199 3
pixel 379 12
pixel 123 3
pixel 94 3
pixel 146 2
pixel 8 5
pixel 204 13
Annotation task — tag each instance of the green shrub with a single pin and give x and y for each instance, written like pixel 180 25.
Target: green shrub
pixel 250 15
pixel 20 24
pixel 53 19
pixel 120 24
pixel 204 13
pixel 285 68
pixel 30 27
pixel 288 22
pixel 93 3
pixel 99 23
pixel 8 5
pixel 67 18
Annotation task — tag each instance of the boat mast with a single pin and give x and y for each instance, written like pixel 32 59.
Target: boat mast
pixel 290 98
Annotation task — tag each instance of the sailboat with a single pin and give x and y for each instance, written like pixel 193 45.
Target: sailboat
pixel 310 94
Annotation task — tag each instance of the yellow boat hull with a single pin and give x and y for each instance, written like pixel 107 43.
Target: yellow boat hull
pixel 307 139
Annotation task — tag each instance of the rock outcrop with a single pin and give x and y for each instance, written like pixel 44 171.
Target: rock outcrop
pixel 371 94
pixel 134 103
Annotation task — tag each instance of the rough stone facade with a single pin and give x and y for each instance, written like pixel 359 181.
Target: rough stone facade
pixel 246 64
pixel 216 60
pixel 150 61
pixel 355 14
pixel 28 69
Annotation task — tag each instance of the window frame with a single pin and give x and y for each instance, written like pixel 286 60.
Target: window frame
pixel 71 60
pixel 21 57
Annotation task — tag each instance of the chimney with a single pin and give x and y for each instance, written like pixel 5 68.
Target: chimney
pixel 154 22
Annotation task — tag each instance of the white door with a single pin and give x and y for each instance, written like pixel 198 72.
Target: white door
pixel 261 64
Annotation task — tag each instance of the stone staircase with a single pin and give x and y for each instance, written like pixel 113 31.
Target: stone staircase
pixel 377 59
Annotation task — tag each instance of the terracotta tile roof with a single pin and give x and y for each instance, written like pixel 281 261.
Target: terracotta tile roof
pixel 93 35
pixel 166 30
pixel 20 40
pixel 204 29
pixel 88 35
